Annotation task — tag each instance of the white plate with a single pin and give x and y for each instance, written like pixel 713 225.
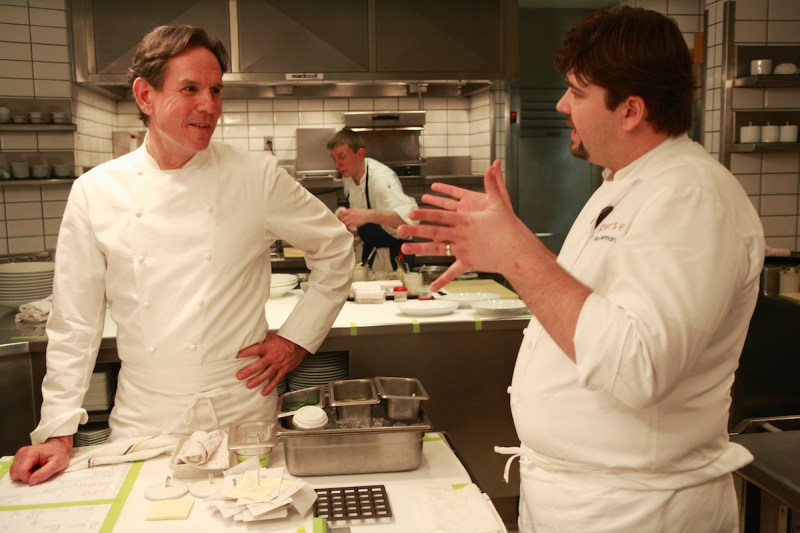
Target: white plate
pixel 500 308
pixel 466 299
pixel 427 307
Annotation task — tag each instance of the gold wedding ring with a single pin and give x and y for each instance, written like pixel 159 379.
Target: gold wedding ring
pixel 447 250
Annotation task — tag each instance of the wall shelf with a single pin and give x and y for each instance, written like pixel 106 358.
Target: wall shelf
pixel 39 182
pixel 765 147
pixel 38 128
pixel 778 80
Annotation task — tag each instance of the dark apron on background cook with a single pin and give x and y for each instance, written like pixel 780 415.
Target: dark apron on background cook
pixel 374 236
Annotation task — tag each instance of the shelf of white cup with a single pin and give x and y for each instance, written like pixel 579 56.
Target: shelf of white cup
pixel 765 147
pixel 771 80
pixel 40 128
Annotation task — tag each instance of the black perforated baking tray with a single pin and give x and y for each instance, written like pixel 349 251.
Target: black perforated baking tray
pixel 352 503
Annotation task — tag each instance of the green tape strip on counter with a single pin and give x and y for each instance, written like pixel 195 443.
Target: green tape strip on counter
pixel 478 323
pixel 353 329
pixel 5 466
pixel 415 326
pixel 122 496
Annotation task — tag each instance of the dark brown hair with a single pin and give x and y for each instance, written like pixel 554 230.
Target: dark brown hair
pixel 634 52
pixel 163 43
pixel 348 137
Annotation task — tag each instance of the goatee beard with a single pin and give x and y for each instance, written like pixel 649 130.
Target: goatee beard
pixel 579 151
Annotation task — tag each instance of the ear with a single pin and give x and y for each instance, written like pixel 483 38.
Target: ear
pixel 361 153
pixel 634 112
pixel 142 92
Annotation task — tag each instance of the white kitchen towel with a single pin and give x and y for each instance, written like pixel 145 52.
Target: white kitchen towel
pixel 205 450
pixel 446 509
pixel 136 449
pixel 37 311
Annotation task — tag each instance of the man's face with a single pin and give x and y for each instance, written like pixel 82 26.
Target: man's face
pixel 592 122
pixel 348 163
pixel 184 112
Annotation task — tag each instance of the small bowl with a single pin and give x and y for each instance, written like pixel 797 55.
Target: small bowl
pixel 19 119
pixel 786 68
pixel 20 170
pixel 40 171
pixel 61 171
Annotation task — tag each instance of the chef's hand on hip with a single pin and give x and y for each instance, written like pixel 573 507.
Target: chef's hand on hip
pixel 39 462
pixel 276 357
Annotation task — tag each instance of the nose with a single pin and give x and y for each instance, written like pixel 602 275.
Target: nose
pixel 207 101
pixel 561 105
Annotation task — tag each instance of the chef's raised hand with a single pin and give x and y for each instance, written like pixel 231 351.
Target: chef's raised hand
pixel 479 229
pixel 39 462
pixel 276 357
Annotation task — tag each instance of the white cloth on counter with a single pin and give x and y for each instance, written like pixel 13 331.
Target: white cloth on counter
pixel 206 450
pixel 123 451
pixel 34 312
pixel 182 258
pixel 446 509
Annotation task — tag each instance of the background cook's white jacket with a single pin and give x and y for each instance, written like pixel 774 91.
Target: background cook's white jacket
pixel 182 257
pixel 674 271
pixel 385 193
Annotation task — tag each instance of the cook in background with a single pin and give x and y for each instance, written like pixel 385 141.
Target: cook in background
pixel 175 237
pixel 376 203
pixel 621 389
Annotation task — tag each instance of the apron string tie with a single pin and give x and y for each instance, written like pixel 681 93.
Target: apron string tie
pixel 188 413
pixel 513 451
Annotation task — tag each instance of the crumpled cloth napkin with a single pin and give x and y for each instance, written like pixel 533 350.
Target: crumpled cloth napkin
pixel 135 449
pixel 37 311
pixel 205 450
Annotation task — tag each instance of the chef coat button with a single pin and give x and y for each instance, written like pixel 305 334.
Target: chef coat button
pixel 146 305
pixel 151 349
pixel 210 209
pixel 193 347
pixel 139 173
pixel 207 255
pixel 140 259
pixel 201 303
pixel 138 213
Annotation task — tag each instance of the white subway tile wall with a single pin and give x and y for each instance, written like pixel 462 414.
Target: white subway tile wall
pixel 772 180
pixel 35 63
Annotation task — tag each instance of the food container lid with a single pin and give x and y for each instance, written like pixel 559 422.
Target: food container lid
pixel 252 434
pixel 401 288
pixel 310 417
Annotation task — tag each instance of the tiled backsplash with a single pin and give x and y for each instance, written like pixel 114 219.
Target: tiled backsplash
pixel 35 63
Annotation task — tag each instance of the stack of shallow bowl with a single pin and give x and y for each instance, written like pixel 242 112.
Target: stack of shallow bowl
pixel 280 284
pixel 21 283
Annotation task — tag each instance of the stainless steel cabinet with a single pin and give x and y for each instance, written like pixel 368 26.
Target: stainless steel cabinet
pixel 17 404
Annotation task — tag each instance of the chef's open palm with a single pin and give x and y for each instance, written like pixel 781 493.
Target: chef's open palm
pixel 276 357
pixel 481 229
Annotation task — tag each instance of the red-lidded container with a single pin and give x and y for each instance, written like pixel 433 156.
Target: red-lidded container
pixel 400 294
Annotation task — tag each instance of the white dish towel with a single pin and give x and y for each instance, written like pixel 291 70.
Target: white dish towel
pixel 37 311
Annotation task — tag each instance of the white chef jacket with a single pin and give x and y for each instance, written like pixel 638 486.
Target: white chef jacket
pixel 385 193
pixel 674 269
pixel 182 259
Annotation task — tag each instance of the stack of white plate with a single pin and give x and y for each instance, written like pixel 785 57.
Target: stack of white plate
pixel 319 369
pixel 22 283
pixel 98 397
pixel 280 284
pixel 283 385
pixel 92 434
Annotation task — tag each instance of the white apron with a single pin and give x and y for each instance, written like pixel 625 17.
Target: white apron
pixel 557 496
pixel 183 400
